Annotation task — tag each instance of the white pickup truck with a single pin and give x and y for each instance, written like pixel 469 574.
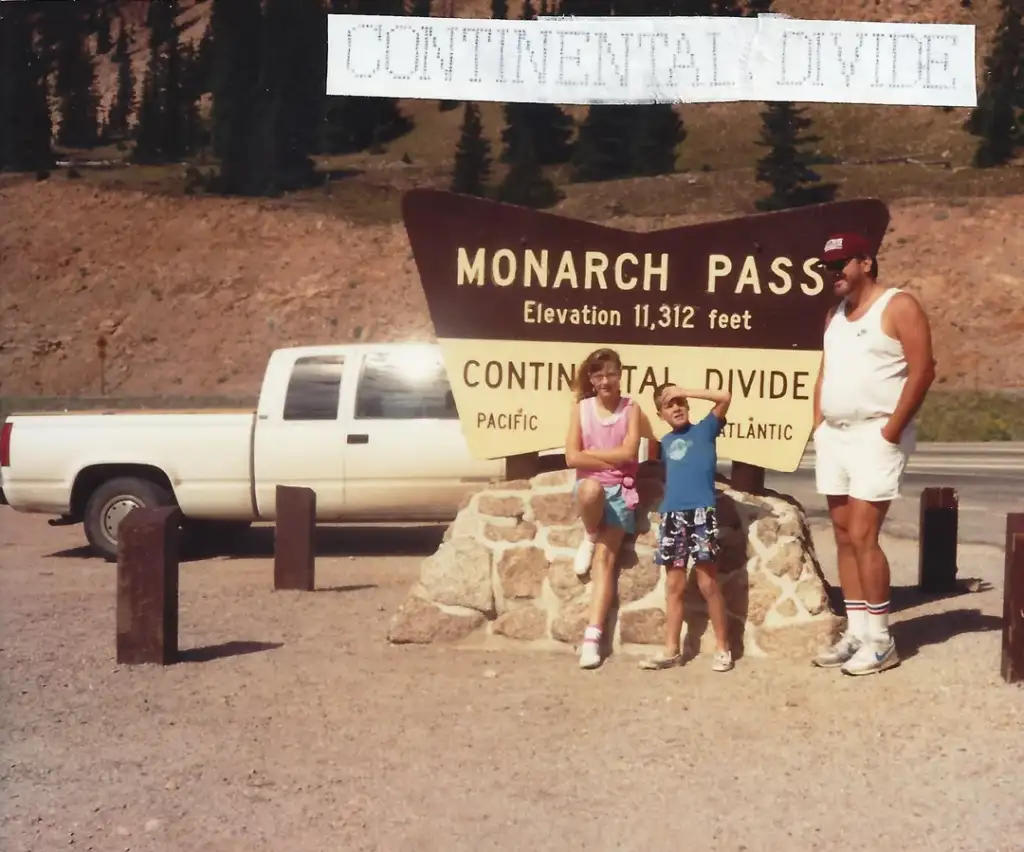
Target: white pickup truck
pixel 373 429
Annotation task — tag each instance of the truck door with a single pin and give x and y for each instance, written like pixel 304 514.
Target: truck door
pixel 300 438
pixel 411 458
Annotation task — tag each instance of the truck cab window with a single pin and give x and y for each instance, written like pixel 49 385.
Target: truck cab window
pixel 400 387
pixel 314 388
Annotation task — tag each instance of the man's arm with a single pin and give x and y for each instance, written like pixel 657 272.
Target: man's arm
pixel 914 332
pixel 574 455
pixel 630 447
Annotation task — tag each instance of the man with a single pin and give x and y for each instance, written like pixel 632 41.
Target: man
pixel 876 368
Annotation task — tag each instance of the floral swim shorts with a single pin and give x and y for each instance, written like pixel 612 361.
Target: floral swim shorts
pixel 688 534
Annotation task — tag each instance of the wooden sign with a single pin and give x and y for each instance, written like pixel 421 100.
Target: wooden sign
pixel 519 297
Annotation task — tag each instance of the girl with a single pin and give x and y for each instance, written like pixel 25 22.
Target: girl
pixel 602 445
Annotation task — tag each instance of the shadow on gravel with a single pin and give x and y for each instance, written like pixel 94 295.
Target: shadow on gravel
pixel 226 649
pixel 935 628
pixel 902 598
pixel 418 540
pixel 258 542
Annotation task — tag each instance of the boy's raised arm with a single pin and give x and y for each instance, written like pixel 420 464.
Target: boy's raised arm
pixel 721 398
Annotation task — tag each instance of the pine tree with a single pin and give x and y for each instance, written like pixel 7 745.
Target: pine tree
pixel 124 97
pixel 291 89
pixel 657 136
pixel 472 157
pixel 604 148
pixel 525 183
pixel 101 26
pixel 76 80
pixel 235 27
pixel 152 136
pixel 550 127
pixel 356 123
pixel 787 167
pixel 995 119
pixel 657 130
pixel 25 125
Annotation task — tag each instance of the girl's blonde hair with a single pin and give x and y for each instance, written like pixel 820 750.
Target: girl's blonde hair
pixel 581 384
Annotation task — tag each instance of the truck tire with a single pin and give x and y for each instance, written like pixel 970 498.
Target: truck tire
pixel 111 502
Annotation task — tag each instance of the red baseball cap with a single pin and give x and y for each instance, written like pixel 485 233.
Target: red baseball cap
pixel 845 246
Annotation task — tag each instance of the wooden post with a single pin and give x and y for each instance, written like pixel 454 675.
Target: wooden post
pixel 937 541
pixel 522 466
pixel 294 535
pixel 1013 601
pixel 748 478
pixel 148 549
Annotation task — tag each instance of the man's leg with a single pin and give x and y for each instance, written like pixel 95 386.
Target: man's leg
pixel 833 481
pixel 846 564
pixel 865 523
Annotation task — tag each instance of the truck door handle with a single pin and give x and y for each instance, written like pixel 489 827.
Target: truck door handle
pixel 358 439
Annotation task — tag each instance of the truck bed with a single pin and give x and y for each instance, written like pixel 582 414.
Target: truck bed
pixel 205 454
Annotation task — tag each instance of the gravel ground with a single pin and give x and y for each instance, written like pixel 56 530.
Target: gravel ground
pixel 294 727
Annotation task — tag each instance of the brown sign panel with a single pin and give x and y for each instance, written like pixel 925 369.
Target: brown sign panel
pixel 518 297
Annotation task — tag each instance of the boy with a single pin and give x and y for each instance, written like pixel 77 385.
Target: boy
pixel 689 530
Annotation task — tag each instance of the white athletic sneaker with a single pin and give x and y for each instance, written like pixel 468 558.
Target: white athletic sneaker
pixel 584 554
pixel 722 661
pixel 841 652
pixel 873 656
pixel 590 654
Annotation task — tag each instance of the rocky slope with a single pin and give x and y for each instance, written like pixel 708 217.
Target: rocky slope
pixel 194 293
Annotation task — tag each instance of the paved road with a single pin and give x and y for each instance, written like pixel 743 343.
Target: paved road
pixel 989 479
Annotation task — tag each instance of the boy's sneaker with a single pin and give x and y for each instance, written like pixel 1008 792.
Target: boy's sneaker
pixel 841 652
pixel 584 555
pixel 722 661
pixel 873 656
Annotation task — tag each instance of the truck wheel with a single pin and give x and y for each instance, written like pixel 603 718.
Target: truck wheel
pixel 111 502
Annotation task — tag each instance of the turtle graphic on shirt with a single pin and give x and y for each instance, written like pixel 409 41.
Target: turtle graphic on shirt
pixel 678 449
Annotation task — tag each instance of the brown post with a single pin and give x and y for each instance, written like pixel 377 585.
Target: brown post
pixel 1013 601
pixel 748 478
pixel 148 542
pixel 522 466
pixel 294 534
pixel 937 541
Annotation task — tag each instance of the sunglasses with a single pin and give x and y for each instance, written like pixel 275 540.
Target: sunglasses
pixel 836 265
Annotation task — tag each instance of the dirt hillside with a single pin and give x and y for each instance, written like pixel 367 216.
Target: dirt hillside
pixel 196 292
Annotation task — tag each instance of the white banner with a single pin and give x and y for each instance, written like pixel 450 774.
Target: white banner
pixel 643 60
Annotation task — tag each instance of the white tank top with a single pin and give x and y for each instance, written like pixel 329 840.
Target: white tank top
pixel 865 369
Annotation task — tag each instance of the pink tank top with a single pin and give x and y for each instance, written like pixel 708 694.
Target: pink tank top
pixel 608 434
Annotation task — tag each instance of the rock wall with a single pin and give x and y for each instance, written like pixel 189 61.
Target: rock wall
pixel 504 572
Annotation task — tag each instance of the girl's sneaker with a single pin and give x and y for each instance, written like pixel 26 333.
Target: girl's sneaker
pixel 584 555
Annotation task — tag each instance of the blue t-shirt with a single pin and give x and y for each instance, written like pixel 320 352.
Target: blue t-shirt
pixel 690 459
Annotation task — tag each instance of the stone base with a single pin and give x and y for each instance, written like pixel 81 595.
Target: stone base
pixel 504 570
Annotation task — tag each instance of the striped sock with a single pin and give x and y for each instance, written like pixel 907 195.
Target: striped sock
pixel 857 619
pixel 592 634
pixel 878 621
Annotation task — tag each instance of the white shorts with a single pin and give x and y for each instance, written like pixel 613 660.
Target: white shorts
pixel 853 459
